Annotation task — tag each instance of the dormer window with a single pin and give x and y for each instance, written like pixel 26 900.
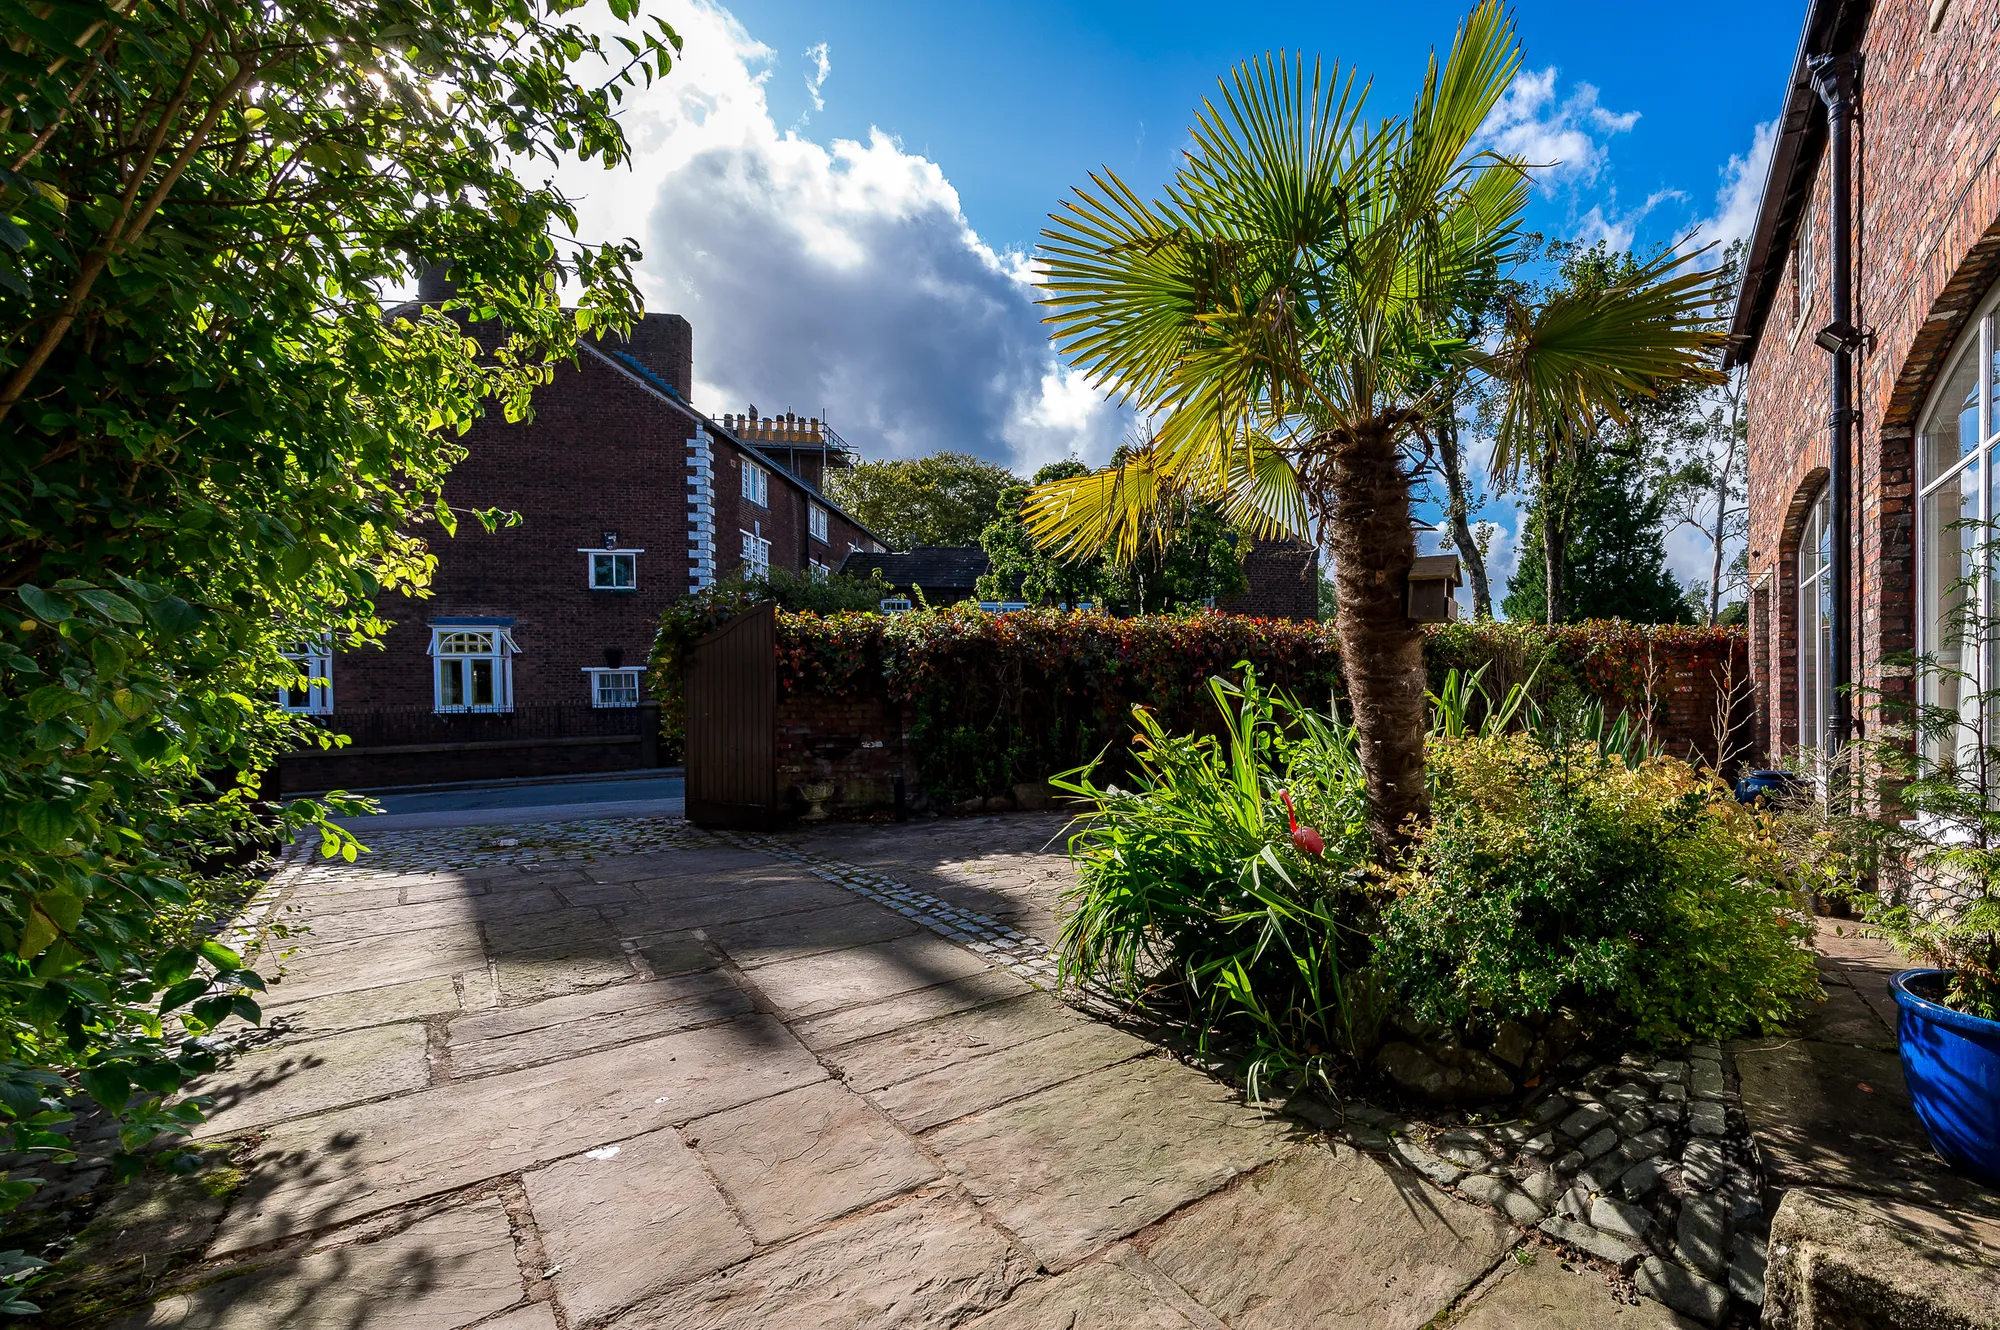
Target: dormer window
pixel 816 522
pixel 613 570
pixel 472 664
pixel 756 484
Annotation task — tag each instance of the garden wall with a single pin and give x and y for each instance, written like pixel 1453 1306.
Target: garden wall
pixel 970 709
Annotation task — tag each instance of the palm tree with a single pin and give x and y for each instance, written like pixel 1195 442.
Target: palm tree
pixel 1286 313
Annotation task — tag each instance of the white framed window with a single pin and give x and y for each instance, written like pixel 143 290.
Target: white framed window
pixel 313 694
pixel 756 554
pixel 896 605
pixel 756 484
pixel 816 522
pixel 613 570
pixel 613 688
pixel 1956 446
pixel 472 666
pixel 820 572
pixel 1002 606
pixel 1816 623
pixel 1805 277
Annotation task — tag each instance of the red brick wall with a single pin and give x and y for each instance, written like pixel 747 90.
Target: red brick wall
pixel 1283 577
pixel 1927 246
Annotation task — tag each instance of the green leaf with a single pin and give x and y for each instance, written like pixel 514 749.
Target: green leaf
pixel 446 518
pixel 187 990
pixel 46 825
pixel 171 614
pixel 221 957
pixel 43 606
pixel 109 1086
pixel 174 966
pixel 111 605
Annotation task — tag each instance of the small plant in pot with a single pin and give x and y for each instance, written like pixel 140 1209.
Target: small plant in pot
pixel 1930 829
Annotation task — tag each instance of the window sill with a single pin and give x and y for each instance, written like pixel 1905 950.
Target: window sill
pixel 617 590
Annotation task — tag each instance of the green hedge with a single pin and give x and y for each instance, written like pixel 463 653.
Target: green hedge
pixel 999 699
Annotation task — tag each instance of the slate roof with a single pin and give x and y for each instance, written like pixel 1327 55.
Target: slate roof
pixel 945 572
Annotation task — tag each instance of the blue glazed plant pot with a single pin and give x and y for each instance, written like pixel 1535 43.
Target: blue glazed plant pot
pixel 1951 1061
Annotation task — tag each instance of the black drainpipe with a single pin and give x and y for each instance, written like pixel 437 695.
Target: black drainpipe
pixel 1833 80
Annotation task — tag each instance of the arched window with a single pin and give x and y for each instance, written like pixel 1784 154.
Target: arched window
pixel 1956 472
pixel 1816 623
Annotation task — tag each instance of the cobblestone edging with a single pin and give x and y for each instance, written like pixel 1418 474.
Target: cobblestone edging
pixel 1645 1164
pixel 1020 953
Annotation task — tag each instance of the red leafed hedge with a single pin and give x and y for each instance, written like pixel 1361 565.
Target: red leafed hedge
pixel 991 700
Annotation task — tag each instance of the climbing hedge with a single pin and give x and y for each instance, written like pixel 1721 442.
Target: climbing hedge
pixel 994 699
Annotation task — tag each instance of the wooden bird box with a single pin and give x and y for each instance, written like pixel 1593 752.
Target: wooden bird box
pixel 1434 582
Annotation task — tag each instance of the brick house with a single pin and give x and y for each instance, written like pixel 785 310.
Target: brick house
pixel 1919 261
pixel 528 655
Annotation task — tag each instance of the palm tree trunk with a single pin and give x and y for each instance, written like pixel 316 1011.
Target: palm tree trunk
pixel 1461 523
pixel 1555 563
pixel 1381 650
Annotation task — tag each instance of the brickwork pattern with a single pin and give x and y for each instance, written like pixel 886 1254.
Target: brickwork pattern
pixel 1927 246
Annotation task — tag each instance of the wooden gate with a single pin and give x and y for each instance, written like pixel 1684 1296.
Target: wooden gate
pixel 731 677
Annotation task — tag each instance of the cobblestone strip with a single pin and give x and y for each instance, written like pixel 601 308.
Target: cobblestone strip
pixel 519 844
pixel 1009 948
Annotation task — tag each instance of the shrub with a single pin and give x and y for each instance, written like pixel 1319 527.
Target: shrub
pixel 1193 891
pixel 1559 873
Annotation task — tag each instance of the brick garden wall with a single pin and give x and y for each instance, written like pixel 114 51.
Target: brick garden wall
pixel 1926 246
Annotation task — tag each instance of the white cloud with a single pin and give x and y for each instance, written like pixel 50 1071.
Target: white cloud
pixel 840 280
pixel 1530 123
pixel 1742 190
pixel 821 65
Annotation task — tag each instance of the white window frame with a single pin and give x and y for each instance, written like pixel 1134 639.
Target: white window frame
pixel 590 568
pixel 315 662
pixel 1002 606
pixel 756 553
pixel 600 677
pixel 1814 621
pixel 756 484
pixel 816 522
pixel 453 689
pixel 820 572
pixel 1805 275
pixel 896 605
pixel 1981 466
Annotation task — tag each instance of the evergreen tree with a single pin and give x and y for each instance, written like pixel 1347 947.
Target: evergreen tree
pixel 1617 564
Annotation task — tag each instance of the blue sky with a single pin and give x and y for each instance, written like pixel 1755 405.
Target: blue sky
pixel 844 199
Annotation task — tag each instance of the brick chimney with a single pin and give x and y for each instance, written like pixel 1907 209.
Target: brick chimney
pixel 664 344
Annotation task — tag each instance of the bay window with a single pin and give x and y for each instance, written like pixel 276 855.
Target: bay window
pixel 472 665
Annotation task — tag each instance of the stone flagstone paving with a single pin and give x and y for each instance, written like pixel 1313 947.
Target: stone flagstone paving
pixel 628 1074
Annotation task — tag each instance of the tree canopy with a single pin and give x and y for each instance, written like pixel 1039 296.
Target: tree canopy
pixel 943 499
pixel 214 447
pixel 1616 566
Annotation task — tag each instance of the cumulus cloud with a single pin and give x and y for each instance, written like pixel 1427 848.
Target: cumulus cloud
pixel 838 279
pixel 1563 134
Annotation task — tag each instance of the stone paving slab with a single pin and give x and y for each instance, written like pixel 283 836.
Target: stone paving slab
pixel 1549 1293
pixel 755 942
pixel 441 1273
pixel 1385 1252
pixel 626 1222
pixel 1080 1165
pixel 362 1007
pixel 966 1087
pixel 764 896
pixel 800 1158
pixel 903 1055
pixel 815 985
pixel 292 1080
pixel 358 1161
pixel 926 1263
pixel 314 969
pixel 548 972
pixel 904 1010
pixel 511 1037
pixel 1102 1295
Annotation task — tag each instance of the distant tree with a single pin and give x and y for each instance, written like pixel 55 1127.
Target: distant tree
pixel 1616 565
pixel 942 499
pixel 1196 559
pixel 1707 490
pixel 796 591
